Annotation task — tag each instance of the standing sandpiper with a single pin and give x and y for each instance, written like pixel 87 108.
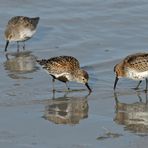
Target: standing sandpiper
pixel 20 29
pixel 134 67
pixel 65 68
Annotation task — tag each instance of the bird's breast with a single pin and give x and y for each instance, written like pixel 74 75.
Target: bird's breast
pixel 26 34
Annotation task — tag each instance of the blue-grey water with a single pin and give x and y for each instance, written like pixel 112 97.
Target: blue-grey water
pixel 97 32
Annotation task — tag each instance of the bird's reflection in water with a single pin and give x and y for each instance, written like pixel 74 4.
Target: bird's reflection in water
pixel 134 116
pixel 20 63
pixel 66 110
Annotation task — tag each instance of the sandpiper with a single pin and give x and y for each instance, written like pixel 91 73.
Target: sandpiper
pixel 134 67
pixel 20 29
pixel 65 68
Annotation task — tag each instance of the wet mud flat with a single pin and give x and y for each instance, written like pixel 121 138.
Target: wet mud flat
pixel 99 34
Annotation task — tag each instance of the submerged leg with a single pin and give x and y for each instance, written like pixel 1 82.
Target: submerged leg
pixel 138 85
pixel 18 46
pixel 146 98
pixel 67 86
pixel 53 81
pixel 23 45
pixel 146 84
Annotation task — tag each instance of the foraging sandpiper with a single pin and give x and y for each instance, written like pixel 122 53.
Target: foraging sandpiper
pixel 20 29
pixel 65 68
pixel 134 67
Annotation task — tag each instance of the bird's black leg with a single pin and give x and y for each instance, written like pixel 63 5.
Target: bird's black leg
pixel 146 84
pixel 146 98
pixel 18 46
pixel 67 86
pixel 53 81
pixel 138 85
pixel 23 45
pixel 115 83
pixel 7 42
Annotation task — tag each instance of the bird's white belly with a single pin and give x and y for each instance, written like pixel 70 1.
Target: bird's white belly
pixel 132 74
pixel 26 34
pixel 66 75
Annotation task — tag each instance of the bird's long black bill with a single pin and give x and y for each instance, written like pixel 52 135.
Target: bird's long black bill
pixel 88 87
pixel 7 42
pixel 116 80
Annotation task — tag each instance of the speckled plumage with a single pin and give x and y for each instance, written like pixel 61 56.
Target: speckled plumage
pixel 134 66
pixel 61 64
pixel 138 61
pixel 20 28
pixel 65 68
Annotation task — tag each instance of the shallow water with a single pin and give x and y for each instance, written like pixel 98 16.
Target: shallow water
pixel 98 33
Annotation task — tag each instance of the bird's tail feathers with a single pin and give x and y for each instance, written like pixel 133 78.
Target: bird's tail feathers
pixel 35 20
